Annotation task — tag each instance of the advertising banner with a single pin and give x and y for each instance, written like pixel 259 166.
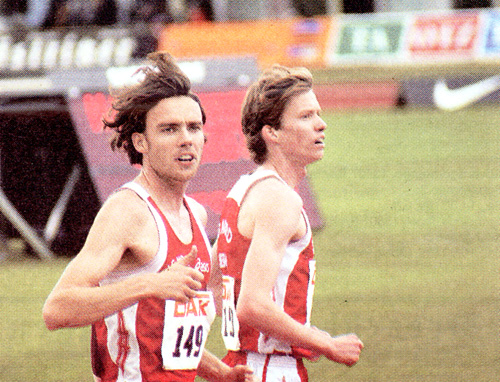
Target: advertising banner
pixel 444 36
pixel 24 52
pixel 451 93
pixel 291 42
pixel 491 41
pixel 367 39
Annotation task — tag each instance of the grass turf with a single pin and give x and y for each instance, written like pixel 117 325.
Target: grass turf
pixel 408 258
pixel 410 252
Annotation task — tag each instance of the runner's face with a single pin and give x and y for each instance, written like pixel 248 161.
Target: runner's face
pixel 174 138
pixel 302 130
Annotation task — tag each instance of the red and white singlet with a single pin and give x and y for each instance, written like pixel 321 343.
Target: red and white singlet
pixel 294 287
pixel 154 339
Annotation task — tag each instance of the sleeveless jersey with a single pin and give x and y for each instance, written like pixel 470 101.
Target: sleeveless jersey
pixel 154 339
pixel 293 289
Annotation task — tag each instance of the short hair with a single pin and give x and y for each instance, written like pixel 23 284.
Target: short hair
pixel 163 79
pixel 265 102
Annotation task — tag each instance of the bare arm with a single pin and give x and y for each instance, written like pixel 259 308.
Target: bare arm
pixel 215 282
pixel 78 300
pixel 214 370
pixel 276 218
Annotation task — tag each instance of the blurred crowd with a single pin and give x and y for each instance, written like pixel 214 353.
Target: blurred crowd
pixel 45 14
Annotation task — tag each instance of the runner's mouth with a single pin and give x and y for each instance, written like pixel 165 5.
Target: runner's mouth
pixel 186 158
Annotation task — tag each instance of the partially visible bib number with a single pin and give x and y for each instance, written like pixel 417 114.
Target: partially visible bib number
pixel 185 331
pixel 230 326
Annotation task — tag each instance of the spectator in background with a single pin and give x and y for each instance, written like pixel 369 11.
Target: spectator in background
pixel 358 6
pixel 123 10
pixel 150 11
pixel 12 14
pixel 37 13
pixel 13 7
pixel 76 13
pixel 465 4
pixel 310 8
pixel 200 10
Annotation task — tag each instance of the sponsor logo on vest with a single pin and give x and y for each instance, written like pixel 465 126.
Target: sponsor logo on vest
pixel 222 260
pixel 226 230
pixel 201 266
pixel 227 288
pixel 194 307
pixel 225 292
pixel 177 258
pixel 454 99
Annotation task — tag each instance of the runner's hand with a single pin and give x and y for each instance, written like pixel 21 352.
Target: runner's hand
pixel 179 282
pixel 345 349
pixel 241 373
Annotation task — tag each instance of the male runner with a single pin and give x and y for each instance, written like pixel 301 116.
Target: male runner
pixel 141 278
pixel 265 245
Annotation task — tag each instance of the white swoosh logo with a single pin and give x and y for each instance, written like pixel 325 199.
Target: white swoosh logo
pixel 454 99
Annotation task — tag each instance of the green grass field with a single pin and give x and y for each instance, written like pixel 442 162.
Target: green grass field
pixel 408 258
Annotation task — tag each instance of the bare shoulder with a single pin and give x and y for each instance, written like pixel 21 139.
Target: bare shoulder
pixel 122 218
pixel 124 205
pixel 119 225
pixel 198 210
pixel 271 208
pixel 272 192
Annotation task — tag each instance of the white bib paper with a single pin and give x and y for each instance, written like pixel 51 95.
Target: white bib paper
pixel 185 331
pixel 230 326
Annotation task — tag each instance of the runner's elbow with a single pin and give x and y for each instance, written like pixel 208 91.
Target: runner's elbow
pixel 247 310
pixel 52 316
pixel 50 319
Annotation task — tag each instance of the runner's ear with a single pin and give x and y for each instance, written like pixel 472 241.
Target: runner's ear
pixel 269 133
pixel 139 142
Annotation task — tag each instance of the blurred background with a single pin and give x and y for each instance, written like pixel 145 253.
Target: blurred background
pixel 405 204
pixel 59 58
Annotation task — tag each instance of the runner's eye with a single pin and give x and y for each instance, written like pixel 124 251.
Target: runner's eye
pixel 195 127
pixel 168 129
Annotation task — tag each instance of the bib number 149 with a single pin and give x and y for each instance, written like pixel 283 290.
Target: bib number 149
pixel 185 331
pixel 191 343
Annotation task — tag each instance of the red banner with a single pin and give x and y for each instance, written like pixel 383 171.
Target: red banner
pixel 435 35
pixel 225 156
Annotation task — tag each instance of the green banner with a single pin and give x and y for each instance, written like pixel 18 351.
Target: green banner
pixel 372 38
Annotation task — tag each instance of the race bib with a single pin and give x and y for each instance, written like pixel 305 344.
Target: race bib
pixel 230 327
pixel 185 331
